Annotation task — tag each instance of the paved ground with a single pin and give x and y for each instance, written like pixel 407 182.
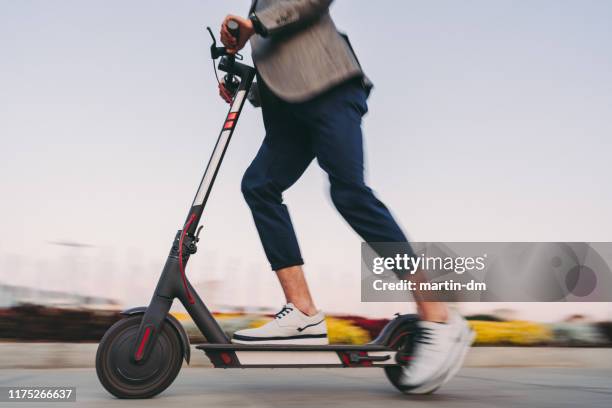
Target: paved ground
pixel 367 388
pixel 83 355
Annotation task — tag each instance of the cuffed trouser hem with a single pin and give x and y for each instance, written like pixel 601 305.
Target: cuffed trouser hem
pixel 277 266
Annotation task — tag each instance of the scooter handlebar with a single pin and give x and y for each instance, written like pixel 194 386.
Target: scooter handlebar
pixel 234 29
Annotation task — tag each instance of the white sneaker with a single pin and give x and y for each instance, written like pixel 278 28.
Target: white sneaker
pixel 439 353
pixel 290 326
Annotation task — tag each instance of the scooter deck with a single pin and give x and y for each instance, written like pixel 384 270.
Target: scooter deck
pixel 293 347
pixel 284 355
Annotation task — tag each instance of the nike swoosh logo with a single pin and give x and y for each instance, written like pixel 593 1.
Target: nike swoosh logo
pixel 301 329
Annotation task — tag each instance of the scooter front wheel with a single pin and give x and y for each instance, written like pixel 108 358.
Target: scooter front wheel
pixel 122 376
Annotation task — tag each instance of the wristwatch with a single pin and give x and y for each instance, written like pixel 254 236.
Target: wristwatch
pixel 257 26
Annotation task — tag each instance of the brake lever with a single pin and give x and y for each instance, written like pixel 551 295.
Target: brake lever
pixel 214 44
pixel 215 52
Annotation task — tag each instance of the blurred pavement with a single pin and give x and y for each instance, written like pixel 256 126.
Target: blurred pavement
pixel 367 388
pixel 82 355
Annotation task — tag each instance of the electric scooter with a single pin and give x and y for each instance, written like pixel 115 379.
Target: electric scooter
pixel 141 354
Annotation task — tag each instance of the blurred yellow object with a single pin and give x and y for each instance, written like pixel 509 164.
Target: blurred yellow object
pixel 341 331
pixel 228 315
pixel 181 316
pixel 259 322
pixel 518 333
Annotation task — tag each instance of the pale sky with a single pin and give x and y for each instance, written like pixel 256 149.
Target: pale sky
pixel 489 121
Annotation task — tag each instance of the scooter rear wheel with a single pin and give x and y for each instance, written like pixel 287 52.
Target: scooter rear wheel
pixel 403 343
pixel 122 376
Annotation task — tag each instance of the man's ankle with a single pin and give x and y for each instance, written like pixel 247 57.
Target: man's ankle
pixel 307 309
pixel 434 312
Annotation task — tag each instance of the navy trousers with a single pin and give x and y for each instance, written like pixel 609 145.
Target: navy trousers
pixel 327 128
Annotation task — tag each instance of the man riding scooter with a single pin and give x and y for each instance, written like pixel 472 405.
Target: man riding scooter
pixel 313 93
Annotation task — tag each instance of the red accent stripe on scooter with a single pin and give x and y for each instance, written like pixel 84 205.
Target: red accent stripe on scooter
pixel 232 116
pixel 228 124
pixel 143 343
pixel 345 359
pixel 226 358
pixel 396 338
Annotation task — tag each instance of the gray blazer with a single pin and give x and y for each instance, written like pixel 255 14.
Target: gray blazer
pixel 302 54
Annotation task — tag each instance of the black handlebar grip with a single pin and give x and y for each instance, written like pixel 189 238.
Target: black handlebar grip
pixel 234 29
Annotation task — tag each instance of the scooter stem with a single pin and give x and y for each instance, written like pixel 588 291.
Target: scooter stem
pixel 171 285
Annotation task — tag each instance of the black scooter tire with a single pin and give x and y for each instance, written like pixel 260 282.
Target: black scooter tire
pixel 393 374
pixel 121 376
pixel 403 344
